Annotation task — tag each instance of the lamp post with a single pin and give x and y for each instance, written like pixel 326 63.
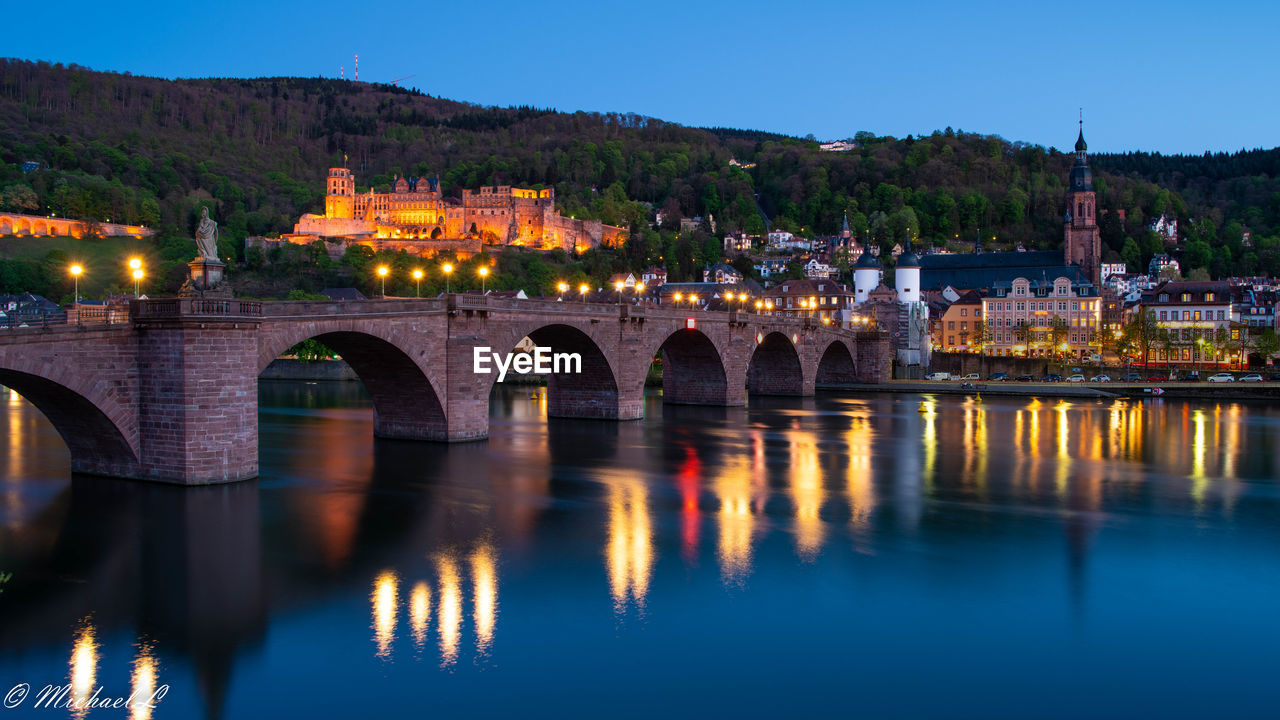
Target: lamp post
pixel 484 274
pixel 417 279
pixel 813 307
pixel 619 286
pixel 759 306
pixel 138 274
pixel 563 288
pixel 76 270
pixel 639 293
pixel 382 273
pixel 448 270
pixel 583 289
pixel 693 301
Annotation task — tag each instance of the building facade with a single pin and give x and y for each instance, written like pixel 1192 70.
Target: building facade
pixel 1193 322
pixel 1039 318
pixel 416 210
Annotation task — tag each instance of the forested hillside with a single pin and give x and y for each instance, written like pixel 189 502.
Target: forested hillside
pixel 146 150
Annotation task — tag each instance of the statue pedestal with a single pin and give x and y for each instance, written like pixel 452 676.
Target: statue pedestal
pixel 205 279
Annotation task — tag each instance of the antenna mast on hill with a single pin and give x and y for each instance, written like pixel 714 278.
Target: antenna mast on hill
pixel 357 67
pixel 342 73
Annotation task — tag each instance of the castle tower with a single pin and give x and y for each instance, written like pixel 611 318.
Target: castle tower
pixel 340 194
pixel 907 277
pixel 866 275
pixel 1082 245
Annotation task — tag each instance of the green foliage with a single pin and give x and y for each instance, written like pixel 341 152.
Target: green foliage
pixel 310 350
pixel 256 153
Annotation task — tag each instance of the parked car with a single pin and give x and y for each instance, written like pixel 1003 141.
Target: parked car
pixel 1158 378
pixel 1131 377
pixel 1274 378
pixel 1100 378
pixel 1222 377
pixel 1023 378
pixel 1252 377
pixel 938 376
pixel 1051 378
pixel 971 377
pixel 1076 378
pixel 998 377
pixel 1193 376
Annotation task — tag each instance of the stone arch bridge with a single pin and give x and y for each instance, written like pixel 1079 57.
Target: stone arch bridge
pixel 172 395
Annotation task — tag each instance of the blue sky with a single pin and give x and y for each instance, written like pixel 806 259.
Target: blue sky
pixel 1164 76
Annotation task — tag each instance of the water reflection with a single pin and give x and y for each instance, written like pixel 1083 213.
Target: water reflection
pixel 807 495
pixel 142 684
pixel 1006 516
pixel 84 668
pixel 420 613
pixel 450 622
pixel 383 599
pixel 484 584
pixel 629 548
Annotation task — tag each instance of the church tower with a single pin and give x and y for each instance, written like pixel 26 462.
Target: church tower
pixel 1083 245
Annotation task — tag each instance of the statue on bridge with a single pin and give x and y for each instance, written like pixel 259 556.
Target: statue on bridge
pixel 207 236
pixel 205 279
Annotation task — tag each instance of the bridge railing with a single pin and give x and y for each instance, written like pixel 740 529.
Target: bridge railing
pixel 174 308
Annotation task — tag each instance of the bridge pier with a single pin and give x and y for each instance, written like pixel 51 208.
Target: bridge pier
pixel 197 392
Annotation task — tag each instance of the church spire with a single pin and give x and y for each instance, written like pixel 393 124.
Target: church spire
pixel 1081 145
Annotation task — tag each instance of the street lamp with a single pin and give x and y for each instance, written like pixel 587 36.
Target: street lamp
pixel 583 289
pixel 448 270
pixel 693 301
pixel 619 286
pixel 417 278
pixel 138 274
pixel 76 270
pixel 484 274
pixel 563 288
pixel 759 306
pixel 382 273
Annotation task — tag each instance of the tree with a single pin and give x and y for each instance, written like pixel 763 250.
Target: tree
pixel 1131 254
pixel 20 198
pixel 1265 344
pixel 1058 330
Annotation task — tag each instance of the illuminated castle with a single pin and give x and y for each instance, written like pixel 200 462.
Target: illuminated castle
pixel 415 215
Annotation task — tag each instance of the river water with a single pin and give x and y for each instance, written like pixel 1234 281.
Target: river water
pixel 846 555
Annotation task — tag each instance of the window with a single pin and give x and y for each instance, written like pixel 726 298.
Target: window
pixel 964 325
pixel 1197 317
pixel 1020 306
pixel 1162 315
pixel 951 339
pixel 964 312
pixel 1062 307
pixel 951 324
pixel 977 312
pixel 1221 312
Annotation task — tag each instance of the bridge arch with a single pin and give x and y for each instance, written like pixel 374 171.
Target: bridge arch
pixel 693 369
pixel 775 367
pixel 97 428
pixel 836 367
pixel 39 228
pixel 406 400
pixel 6 226
pixel 591 393
pixel 22 226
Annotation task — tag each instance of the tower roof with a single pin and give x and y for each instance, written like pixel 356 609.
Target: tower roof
pixel 1081 145
pixel 908 259
pixel 867 261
